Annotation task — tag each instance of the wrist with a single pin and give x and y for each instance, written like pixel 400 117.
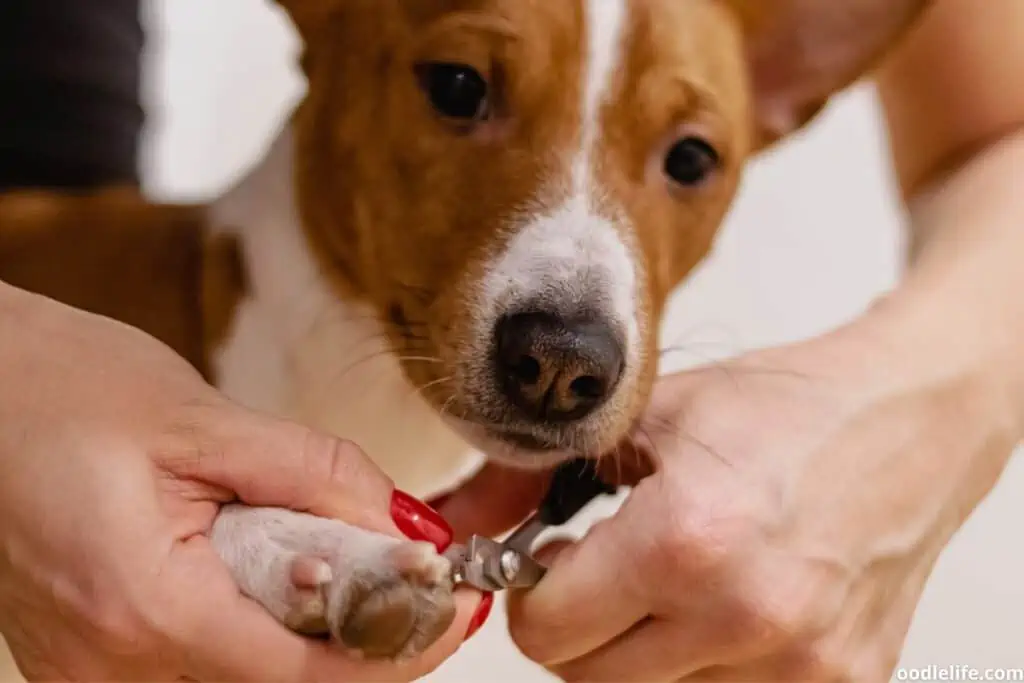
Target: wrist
pixel 936 367
pixel 947 346
pixel 923 412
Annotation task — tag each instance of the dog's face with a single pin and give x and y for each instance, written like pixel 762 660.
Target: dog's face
pixel 516 186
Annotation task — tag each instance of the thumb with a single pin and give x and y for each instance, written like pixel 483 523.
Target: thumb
pixel 561 618
pixel 267 461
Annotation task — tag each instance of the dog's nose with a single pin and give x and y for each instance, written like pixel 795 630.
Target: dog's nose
pixel 554 369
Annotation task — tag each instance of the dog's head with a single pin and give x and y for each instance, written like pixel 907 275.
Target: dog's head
pixel 516 186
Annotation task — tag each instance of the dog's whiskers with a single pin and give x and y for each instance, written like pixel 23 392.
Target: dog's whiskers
pixel 419 390
pixel 447 404
pixel 669 427
pixel 421 359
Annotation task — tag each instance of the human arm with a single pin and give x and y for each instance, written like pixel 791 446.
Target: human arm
pixel 804 493
pixel 115 457
pixel 955 112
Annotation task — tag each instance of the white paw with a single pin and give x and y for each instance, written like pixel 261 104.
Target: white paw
pixel 379 596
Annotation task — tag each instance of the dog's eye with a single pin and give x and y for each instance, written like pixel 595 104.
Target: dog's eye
pixel 456 91
pixel 690 160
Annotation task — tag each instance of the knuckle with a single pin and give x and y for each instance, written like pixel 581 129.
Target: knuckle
pixel 792 615
pixel 698 541
pixel 332 459
pixel 339 479
pixel 773 622
pixel 775 619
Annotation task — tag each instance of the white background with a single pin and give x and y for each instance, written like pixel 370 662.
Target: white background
pixel 815 235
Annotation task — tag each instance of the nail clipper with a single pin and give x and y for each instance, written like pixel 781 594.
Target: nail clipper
pixel 490 565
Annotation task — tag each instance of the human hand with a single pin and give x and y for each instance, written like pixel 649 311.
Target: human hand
pixel 800 499
pixel 115 458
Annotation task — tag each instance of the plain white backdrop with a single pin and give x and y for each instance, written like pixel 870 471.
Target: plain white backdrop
pixel 815 235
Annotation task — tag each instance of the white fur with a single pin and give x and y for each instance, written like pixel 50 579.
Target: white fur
pixel 264 549
pixel 605 22
pixel 297 349
pixel 580 252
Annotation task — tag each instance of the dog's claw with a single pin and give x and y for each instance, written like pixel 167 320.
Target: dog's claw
pixel 377 596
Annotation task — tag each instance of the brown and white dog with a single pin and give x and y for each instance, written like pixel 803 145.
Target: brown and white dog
pixel 464 239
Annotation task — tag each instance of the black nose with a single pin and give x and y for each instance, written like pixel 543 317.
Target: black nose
pixel 554 369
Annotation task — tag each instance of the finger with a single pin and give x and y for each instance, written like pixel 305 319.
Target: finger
pixel 274 462
pixel 493 501
pixel 655 650
pixel 559 619
pixel 233 638
pixel 228 636
pixel 284 656
pixel 547 554
pixel 278 463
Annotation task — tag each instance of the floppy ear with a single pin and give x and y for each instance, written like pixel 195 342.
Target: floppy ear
pixel 803 51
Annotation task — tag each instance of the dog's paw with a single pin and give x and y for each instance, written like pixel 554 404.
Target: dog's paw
pixel 380 597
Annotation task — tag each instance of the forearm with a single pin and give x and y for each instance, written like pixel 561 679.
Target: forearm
pixel 955 117
pixel 960 305
pixel 941 355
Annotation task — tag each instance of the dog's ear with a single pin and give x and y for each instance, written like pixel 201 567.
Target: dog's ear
pixel 803 51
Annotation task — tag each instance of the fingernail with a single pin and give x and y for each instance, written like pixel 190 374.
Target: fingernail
pixel 419 521
pixel 480 616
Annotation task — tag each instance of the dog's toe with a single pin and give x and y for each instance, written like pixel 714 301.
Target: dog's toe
pixel 380 597
pixel 399 607
pixel 307 610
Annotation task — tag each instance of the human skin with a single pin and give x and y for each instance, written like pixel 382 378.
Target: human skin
pixel 114 459
pixel 801 495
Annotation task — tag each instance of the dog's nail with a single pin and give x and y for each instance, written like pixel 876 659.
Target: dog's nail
pixel 483 610
pixel 419 521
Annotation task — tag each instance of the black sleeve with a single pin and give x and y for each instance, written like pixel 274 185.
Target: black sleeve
pixel 70 107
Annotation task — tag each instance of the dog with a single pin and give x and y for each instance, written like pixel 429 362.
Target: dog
pixel 462 242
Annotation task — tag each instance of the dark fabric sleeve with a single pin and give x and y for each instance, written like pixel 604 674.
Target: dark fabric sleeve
pixel 70 101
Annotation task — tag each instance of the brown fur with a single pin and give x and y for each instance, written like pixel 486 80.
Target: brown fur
pixel 116 254
pixel 366 136
pixel 405 211
pixel 225 283
pixel 669 88
pixel 454 188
